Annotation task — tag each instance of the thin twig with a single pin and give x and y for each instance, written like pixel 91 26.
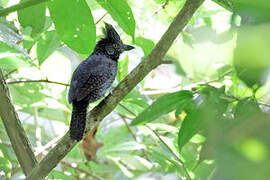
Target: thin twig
pixel 219 78
pixel 263 104
pixel 81 170
pixel 127 109
pixel 36 81
pixel 22 5
pixel 10 72
pixel 37 128
pixel 163 6
pixel 101 18
pixel 49 145
pixel 128 127
pixel 163 142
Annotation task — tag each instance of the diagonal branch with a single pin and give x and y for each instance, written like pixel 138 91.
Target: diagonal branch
pixel 15 130
pixel 110 102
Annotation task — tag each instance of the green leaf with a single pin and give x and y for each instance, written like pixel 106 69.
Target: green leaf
pixel 46 45
pixel 188 39
pixel 33 16
pixel 7 49
pixel 122 70
pixel 246 108
pixel 146 44
pixel 209 108
pixel 190 127
pixel 123 168
pixel 253 67
pixel 256 10
pixel 13 61
pixel 135 162
pixel 121 13
pixel 74 24
pixel 26 94
pixel 5 164
pixel 125 146
pixel 54 174
pixel 163 105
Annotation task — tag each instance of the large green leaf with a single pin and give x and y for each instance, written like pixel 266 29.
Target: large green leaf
pixel 258 10
pixel 121 13
pixel 208 108
pixel 74 24
pixel 33 16
pixel 146 44
pixel 46 45
pixel 253 67
pixel 164 105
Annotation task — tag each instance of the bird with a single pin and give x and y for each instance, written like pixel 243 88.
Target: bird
pixel 93 77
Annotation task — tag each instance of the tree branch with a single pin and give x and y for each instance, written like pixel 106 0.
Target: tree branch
pixel 33 81
pixel 15 131
pixel 16 7
pixel 110 102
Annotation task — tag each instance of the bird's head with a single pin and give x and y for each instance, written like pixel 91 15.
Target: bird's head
pixel 111 44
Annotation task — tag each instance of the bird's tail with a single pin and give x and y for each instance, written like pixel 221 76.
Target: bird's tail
pixel 78 119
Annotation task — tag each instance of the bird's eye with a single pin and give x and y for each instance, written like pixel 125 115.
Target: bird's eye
pixel 110 50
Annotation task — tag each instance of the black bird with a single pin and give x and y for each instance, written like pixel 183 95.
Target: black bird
pixel 93 77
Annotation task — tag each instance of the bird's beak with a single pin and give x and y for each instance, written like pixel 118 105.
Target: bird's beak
pixel 127 47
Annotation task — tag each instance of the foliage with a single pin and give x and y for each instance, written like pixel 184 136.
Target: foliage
pixel 206 116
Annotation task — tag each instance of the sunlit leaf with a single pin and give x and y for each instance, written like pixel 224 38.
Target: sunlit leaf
pixel 26 94
pixel 146 44
pixel 122 69
pixel 163 105
pixel 74 24
pixel 121 13
pixel 46 45
pixel 253 67
pixel 33 16
pixel 210 105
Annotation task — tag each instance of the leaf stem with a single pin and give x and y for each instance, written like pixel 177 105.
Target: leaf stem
pixel 171 151
pixel 65 163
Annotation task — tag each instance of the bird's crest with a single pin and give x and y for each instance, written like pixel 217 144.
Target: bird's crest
pixel 110 33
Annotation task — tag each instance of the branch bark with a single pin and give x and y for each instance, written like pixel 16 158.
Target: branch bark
pixel 110 102
pixel 16 7
pixel 15 131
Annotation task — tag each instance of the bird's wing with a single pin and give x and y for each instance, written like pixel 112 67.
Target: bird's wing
pixel 88 77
